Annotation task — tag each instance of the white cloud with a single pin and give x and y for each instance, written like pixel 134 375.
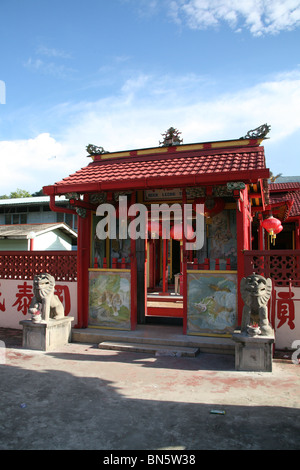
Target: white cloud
pixel 48 61
pixel 48 68
pixel 52 52
pixel 26 164
pixel 138 116
pixel 259 16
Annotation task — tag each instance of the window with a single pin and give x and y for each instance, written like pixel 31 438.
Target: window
pixel 15 219
pixel 69 219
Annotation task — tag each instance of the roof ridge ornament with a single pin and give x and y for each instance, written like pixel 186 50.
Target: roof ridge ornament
pixel 94 150
pixel 258 133
pixel 171 137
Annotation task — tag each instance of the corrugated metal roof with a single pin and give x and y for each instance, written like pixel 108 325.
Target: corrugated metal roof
pixel 31 200
pixel 21 231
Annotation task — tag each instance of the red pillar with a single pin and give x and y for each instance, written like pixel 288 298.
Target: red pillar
pixel 31 244
pixel 133 276
pixel 83 264
pixel 184 264
pixel 260 234
pixel 243 224
pixel 297 235
pixel 165 257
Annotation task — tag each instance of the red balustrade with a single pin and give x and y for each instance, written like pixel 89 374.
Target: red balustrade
pixel 282 266
pixel 25 265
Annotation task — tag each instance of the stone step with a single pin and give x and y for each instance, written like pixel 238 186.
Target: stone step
pixel 155 335
pixel 156 349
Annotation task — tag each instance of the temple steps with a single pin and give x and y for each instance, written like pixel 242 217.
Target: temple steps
pixel 156 337
pixel 157 350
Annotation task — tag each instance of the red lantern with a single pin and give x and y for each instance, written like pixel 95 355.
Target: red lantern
pixel 272 226
pixel 154 229
pixel 176 232
pixel 212 206
pixel 278 229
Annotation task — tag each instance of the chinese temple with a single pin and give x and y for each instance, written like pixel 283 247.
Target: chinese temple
pixel 126 281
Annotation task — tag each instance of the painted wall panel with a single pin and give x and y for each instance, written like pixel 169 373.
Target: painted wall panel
pixel 212 303
pixel 110 299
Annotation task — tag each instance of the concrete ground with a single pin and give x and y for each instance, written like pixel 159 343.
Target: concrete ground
pixel 81 397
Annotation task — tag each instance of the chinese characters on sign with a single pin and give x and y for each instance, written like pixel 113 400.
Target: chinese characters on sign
pixel 24 295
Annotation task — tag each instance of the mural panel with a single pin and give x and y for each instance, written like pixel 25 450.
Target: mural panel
pixel 212 303
pixel 109 299
pixel 222 239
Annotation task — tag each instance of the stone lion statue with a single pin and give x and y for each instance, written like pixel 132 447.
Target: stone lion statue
pixel 43 293
pixel 256 292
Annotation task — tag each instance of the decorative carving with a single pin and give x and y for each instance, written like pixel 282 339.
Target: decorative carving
pixel 94 150
pixel 217 191
pixel 258 133
pixel 45 299
pixel 191 193
pixel 72 196
pixel 236 185
pixel 98 198
pixel 171 137
pixel 81 211
pixel 221 191
pixel 256 292
pixel 117 194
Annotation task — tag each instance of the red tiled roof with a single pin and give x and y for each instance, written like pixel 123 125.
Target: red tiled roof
pixel 186 167
pixel 281 204
pixel 287 194
pixel 295 210
pixel 284 187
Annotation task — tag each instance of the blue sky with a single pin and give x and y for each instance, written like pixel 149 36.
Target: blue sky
pixel 119 73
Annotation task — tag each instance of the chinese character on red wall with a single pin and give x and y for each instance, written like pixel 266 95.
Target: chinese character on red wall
pixel 2 304
pixel 23 296
pixel 63 294
pixel 286 309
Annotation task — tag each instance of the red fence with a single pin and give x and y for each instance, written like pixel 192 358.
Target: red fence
pixel 26 264
pixel 282 266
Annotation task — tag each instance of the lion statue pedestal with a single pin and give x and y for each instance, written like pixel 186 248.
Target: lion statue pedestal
pixel 254 344
pixel 48 328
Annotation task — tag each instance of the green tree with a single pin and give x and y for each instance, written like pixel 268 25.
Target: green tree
pixel 38 193
pixel 19 193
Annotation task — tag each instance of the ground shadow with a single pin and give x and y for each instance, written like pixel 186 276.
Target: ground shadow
pixel 203 361
pixel 54 409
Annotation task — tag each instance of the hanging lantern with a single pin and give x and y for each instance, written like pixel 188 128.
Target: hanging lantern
pixel 272 226
pixel 176 232
pixel 212 206
pixel 278 229
pixel 154 229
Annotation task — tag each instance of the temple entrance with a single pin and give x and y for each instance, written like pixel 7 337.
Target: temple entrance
pixel 163 282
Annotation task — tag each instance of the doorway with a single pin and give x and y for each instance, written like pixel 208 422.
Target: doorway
pixel 163 296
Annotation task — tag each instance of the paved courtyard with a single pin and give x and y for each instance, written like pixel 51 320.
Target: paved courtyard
pixel 81 397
